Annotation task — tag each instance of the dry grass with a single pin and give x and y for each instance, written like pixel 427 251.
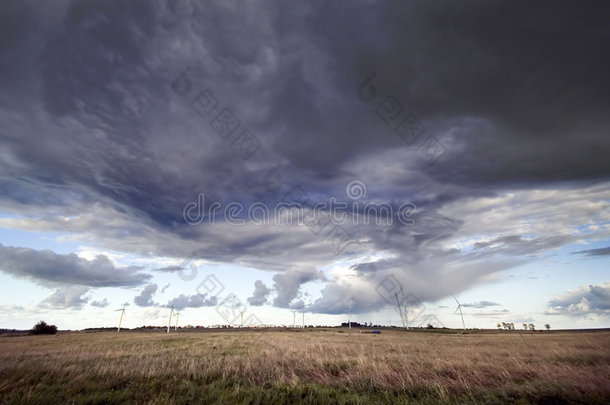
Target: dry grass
pixel 305 367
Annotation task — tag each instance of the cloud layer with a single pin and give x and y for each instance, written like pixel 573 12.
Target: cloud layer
pixel 116 115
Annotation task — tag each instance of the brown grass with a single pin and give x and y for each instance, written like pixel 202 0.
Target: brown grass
pixel 306 367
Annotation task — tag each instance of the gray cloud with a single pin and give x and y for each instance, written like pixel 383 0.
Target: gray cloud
pixel 100 303
pixel 192 301
pixel 260 294
pixel 594 252
pixel 67 298
pixel 169 269
pixel 145 298
pixel 586 300
pixel 287 284
pixel 47 267
pixel 519 245
pixel 480 304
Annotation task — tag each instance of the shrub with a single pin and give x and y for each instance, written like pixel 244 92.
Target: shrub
pixel 42 328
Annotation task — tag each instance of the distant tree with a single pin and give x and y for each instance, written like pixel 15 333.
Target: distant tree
pixel 524 326
pixel 499 325
pixel 547 326
pixel 430 326
pixel 507 325
pixel 42 328
pixel 532 327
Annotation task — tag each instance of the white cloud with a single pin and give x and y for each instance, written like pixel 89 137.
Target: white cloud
pixel 584 301
pixel 67 298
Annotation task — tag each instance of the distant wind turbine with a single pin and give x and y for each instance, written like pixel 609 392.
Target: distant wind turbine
pixel 349 319
pixel 121 319
pixel 176 314
pixel 405 311
pixel 400 311
pixel 241 325
pixel 171 312
pixel 459 308
pixel 294 318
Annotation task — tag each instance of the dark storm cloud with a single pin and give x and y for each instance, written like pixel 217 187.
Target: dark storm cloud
pixel 537 96
pixel 47 267
pixel 594 252
pixel 293 75
pixel 93 129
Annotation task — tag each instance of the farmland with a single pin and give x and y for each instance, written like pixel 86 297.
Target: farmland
pixel 310 366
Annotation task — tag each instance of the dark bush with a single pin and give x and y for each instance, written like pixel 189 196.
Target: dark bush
pixel 42 328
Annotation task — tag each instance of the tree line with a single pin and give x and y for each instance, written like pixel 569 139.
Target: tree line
pixel 526 326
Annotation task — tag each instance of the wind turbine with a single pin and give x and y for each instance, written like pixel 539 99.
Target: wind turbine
pixel 459 308
pixel 406 311
pixel 169 324
pixel 303 316
pixel 121 319
pixel 349 319
pixel 176 314
pixel 402 316
pixel 294 318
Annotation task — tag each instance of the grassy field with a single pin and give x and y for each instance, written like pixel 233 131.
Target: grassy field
pixel 312 367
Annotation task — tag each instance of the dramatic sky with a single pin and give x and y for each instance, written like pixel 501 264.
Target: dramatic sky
pixel 465 144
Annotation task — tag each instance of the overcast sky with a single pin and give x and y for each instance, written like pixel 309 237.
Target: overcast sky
pixel 143 144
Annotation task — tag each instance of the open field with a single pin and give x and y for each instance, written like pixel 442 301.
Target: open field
pixel 313 367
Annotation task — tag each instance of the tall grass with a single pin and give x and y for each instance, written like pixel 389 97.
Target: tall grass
pixel 310 367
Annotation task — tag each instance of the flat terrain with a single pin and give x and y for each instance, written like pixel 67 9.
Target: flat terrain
pixel 312 366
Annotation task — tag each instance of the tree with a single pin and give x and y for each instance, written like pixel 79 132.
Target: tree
pixel 525 326
pixel 532 327
pixel 499 325
pixel 42 328
pixel 507 325
pixel 547 326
